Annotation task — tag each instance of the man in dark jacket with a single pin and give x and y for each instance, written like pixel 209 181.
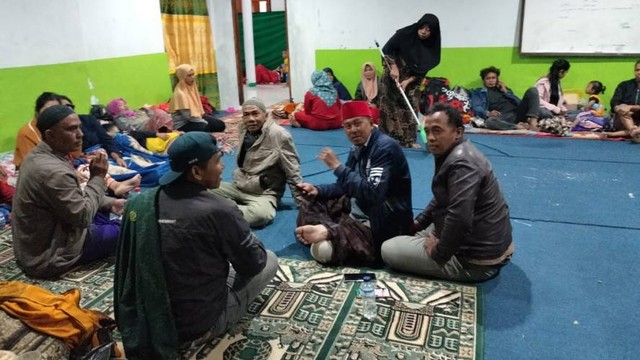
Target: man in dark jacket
pixel 625 105
pixel 500 107
pixel 189 266
pixel 468 231
pixel 347 221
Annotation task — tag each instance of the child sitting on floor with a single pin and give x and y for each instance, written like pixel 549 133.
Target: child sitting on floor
pixel 593 102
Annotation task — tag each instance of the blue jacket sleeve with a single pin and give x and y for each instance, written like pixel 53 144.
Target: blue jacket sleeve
pixel 479 103
pixel 373 189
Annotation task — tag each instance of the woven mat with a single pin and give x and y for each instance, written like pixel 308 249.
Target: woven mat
pixel 309 312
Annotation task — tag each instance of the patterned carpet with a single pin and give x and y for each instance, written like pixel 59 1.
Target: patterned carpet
pixel 308 312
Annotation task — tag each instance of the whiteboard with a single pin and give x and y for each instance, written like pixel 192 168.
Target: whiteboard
pixel 580 27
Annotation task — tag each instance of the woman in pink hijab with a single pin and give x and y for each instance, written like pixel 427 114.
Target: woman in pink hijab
pixel 368 89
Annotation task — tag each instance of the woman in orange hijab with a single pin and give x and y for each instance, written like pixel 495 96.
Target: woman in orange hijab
pixel 185 105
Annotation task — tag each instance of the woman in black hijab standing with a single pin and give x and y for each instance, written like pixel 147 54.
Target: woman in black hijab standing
pixel 411 52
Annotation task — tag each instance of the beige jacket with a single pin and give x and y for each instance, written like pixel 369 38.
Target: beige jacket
pixel 274 156
pixel 51 213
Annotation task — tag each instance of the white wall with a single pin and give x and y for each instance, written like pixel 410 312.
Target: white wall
pixel 41 32
pixel 354 24
pixel 221 18
pixel 277 5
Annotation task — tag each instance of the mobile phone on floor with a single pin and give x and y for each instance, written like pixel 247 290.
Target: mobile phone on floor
pixel 359 277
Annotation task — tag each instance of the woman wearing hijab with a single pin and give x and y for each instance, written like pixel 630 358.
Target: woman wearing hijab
pixel 322 109
pixel 343 93
pixel 411 52
pixel 367 89
pixel 185 105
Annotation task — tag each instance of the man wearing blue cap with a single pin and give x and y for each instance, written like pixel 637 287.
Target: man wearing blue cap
pixel 188 265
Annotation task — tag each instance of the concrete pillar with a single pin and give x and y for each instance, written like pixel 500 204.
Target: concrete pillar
pixel 221 18
pixel 249 54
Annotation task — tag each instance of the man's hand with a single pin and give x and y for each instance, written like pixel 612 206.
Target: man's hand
pixel 163 136
pixel 98 166
pixel 415 227
pixel 430 244
pixel 117 205
pixel 329 158
pixel 501 86
pixel 307 189
pixel 493 113
pixel 623 110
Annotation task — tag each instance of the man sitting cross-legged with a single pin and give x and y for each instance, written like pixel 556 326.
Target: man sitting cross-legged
pixel 347 221
pixel 188 265
pixel 267 160
pixel 464 234
pixel 56 224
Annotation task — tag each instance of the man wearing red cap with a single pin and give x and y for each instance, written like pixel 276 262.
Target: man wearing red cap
pixel 347 221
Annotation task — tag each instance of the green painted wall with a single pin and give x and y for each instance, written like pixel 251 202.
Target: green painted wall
pixel 139 79
pixel 462 67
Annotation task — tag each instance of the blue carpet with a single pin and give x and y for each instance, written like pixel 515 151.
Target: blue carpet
pixel 570 292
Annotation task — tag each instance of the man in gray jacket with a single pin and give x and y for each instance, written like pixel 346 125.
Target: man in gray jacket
pixel 464 234
pixel 56 223
pixel 267 160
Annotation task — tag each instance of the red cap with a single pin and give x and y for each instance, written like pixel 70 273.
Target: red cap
pixel 354 109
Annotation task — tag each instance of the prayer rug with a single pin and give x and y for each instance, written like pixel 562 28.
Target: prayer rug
pixel 309 312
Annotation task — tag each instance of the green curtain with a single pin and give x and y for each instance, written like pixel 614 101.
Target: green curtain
pixel 269 38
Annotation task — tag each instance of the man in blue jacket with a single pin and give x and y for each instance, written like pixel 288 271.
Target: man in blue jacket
pixel 501 109
pixel 347 221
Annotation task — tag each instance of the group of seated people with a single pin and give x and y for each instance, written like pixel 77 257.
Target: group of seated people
pixel 187 246
pixel 494 105
pixel 187 260
pixel 321 109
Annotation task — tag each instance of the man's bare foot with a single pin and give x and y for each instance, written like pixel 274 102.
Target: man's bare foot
pixel 310 234
pixel 120 188
pixel 522 126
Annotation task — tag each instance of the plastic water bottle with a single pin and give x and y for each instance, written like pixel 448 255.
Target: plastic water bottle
pixel 133 193
pixel 368 292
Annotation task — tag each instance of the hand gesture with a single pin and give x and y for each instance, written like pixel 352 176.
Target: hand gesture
pixel 98 165
pixel 430 244
pixel 329 158
pixel 307 189
pixel 117 205
pixel 502 86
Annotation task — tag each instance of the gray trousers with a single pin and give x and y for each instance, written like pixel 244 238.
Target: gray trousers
pixel 258 210
pixel 242 292
pixel 407 254
pixel 529 107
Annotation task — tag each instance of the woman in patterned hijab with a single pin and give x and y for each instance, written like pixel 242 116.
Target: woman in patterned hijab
pixel 322 108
